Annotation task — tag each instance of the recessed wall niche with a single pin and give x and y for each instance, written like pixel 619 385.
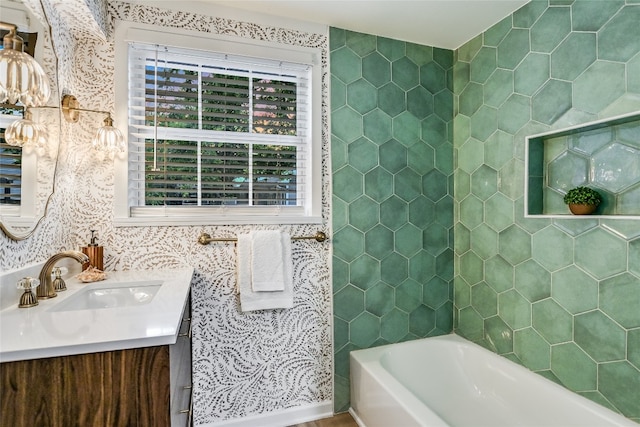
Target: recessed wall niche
pixel 603 155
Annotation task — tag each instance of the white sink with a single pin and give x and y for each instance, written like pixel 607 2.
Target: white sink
pixel 111 295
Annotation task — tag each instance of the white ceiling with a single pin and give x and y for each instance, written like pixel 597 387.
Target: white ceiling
pixel 440 23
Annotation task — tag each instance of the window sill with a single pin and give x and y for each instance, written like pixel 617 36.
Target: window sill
pixel 175 221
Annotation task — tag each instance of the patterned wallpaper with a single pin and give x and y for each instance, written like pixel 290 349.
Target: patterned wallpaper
pixel 244 364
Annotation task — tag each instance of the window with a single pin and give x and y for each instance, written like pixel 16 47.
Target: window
pixel 221 137
pixel 10 167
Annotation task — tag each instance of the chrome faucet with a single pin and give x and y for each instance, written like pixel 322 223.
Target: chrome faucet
pixel 46 289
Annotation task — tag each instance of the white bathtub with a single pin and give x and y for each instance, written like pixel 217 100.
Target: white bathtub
pixel 449 381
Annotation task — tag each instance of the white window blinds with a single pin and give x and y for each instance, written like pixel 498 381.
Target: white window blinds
pixel 10 173
pixel 208 129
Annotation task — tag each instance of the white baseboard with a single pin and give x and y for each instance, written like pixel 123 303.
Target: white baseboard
pixel 286 417
pixel 356 418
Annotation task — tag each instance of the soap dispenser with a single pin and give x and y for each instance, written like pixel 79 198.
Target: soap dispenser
pixel 94 252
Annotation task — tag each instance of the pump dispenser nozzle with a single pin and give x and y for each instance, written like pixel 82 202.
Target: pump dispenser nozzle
pixel 94 252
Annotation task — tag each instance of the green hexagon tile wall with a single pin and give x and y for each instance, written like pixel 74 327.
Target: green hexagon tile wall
pixel 561 297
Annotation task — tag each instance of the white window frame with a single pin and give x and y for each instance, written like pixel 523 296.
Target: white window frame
pixel 125 215
pixel 22 215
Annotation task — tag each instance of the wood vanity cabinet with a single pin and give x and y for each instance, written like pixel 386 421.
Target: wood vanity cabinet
pixel 148 386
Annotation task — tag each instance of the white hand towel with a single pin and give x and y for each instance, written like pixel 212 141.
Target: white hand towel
pixel 267 261
pixel 250 300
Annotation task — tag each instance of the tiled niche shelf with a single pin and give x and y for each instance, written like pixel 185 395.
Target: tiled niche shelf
pixel 604 155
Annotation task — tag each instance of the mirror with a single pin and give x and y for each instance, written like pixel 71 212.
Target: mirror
pixel 27 175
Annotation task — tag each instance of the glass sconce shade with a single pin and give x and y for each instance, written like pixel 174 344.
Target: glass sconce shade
pixel 22 79
pixel 22 132
pixel 109 139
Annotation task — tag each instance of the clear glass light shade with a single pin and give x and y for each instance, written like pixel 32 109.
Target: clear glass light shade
pixel 22 133
pixel 109 139
pixel 22 79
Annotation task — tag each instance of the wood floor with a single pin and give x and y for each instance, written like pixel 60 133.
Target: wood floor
pixel 340 420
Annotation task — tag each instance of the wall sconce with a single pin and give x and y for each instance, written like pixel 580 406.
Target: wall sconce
pixel 25 132
pixel 22 79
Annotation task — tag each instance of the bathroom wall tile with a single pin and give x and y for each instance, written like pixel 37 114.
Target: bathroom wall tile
pixel 550 29
pixel 348 303
pixel 420 158
pixel 633 347
pixel 405 73
pixel 422 321
pixel 605 259
pixel 394 268
pixel 499 212
pixel 380 299
pixel 378 184
pixel 346 65
pixel 513 48
pixel 376 126
pixel 349 243
pixel 498 274
pixel 348 184
pixel 392 99
pixel 573 367
pixel 620 298
pixel 484 182
pixel 408 240
pixel 498 334
pixel 532 349
pixel 527 15
pixel 514 113
pixel 471 99
pixel 362 96
pixel 420 102
pixel 601 84
pixel 612 36
pixel 394 325
pixel 378 241
pixel 484 122
pixel 551 102
pixel 532 73
pixel 581 48
pixel 620 381
pixel 633 75
pixel 346 124
pixel 484 241
pixel 575 290
pixel 421 54
pixel 599 336
pixel 494 35
pixel 408 295
pixel 432 77
pixel 590 16
pixel 364 272
pixel 484 63
pixel 364 329
pixel 362 44
pixel 363 155
pixel 562 244
pixel 407 184
pixel 515 244
pixel 532 281
pixel 395 49
pixel 406 128
pixel 552 321
pixel 514 309
pixel 393 212
pixel 498 87
pixel 376 69
pixel 421 211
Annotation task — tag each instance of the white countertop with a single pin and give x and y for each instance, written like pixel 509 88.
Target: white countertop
pixel 38 332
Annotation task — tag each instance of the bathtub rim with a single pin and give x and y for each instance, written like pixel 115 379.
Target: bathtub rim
pixel 370 360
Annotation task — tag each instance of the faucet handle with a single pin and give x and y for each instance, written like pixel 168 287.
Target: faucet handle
pixel 28 283
pixel 28 299
pixel 58 283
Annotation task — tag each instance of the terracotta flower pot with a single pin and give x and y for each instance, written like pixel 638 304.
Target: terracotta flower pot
pixel 582 209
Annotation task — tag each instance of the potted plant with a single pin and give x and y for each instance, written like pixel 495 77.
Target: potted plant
pixel 582 200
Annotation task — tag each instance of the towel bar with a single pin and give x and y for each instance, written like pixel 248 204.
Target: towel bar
pixel 205 238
